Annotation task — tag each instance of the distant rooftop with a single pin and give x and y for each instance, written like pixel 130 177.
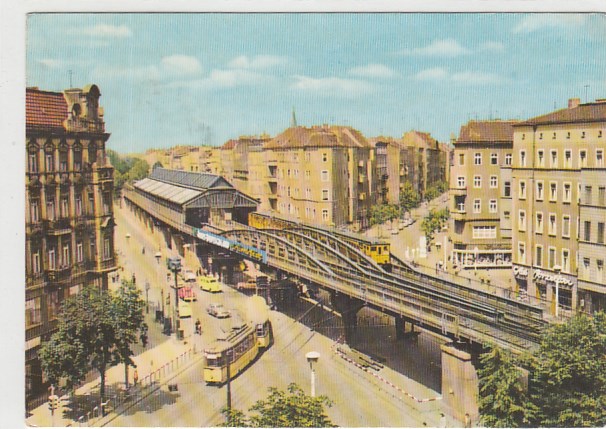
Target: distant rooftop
pixel 200 181
pixel 318 136
pixel 576 112
pixel 486 131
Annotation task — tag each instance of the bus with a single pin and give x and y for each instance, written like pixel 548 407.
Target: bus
pixel 238 350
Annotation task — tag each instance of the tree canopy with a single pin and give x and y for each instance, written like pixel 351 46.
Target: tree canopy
pixel 409 197
pixel 433 222
pixel 95 331
pixel 291 408
pixel 381 213
pixel 567 385
pixel 127 169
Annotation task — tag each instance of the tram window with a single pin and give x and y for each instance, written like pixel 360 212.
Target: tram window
pixel 379 250
pixel 373 248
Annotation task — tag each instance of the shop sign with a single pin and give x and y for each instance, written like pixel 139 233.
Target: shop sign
pixel 520 272
pixel 541 276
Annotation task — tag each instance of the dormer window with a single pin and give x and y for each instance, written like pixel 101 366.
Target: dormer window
pixel 76 110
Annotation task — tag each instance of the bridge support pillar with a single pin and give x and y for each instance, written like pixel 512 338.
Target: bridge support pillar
pixel 460 388
pixel 348 307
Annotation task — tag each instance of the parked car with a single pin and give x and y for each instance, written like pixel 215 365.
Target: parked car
pixel 209 284
pixel 184 309
pixel 217 310
pixel 187 294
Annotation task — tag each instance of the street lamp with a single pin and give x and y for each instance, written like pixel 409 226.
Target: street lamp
pixel 128 237
pixel 557 270
pixel 312 357
pixel 174 265
pixel 147 297
pixel 158 255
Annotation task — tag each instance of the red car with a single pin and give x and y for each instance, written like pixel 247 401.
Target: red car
pixel 187 294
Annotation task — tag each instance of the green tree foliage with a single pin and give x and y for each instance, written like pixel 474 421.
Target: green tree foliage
pixel 435 191
pixel 503 399
pixel 569 373
pixel 381 213
pixel 95 331
pixel 409 197
pixel 291 408
pixel 157 164
pixel 127 169
pixel 433 222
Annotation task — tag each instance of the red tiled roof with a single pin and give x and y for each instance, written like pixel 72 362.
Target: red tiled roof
pixel 229 144
pixel 44 109
pixel 333 136
pixel 486 131
pixel 589 112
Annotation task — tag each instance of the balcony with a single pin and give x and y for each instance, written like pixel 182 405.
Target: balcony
pixel 458 190
pixel 58 227
pixel 458 214
pixel 361 178
pixel 362 196
pixel 59 274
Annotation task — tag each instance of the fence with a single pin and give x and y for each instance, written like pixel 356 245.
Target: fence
pixel 119 400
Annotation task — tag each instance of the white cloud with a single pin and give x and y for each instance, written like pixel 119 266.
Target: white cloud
pixel 104 30
pixel 492 46
pixel 332 86
pixel 539 21
pixel 258 62
pixel 439 48
pixel 48 62
pixel 137 73
pixel 477 78
pixel 436 73
pixel 181 64
pixel 223 79
pixel 372 70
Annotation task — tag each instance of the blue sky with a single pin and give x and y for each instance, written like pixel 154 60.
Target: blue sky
pixel 170 79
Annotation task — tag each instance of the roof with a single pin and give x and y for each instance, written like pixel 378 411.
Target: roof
pixel 325 136
pixel 44 109
pixel 199 181
pixel 419 139
pixel 486 131
pixel 588 112
pixel 166 191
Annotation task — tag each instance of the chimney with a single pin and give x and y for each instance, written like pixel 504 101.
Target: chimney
pixel 573 102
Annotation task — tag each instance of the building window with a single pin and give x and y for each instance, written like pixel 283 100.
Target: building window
pixel 477 205
pixel 52 263
pixel 586 271
pixel 566 260
pixel 567 192
pixel 539 223
pixel 602 196
pixel 583 158
pixel 539 190
pixel 324 175
pixel 553 191
pixel 523 136
pixel 588 192
pixel 523 158
pixel 32 162
pixel 599 270
pixel 506 215
pixel 538 260
pixel 461 181
pixel 552 224
pixel 49 162
pixel 587 230
pixel 599 157
pixel 566 226
pixel 33 313
pixel 308 193
pixel 492 206
pixel 477 181
pixel 494 181
pixel 52 303
pixel 64 208
pixel 554 159
pixel 541 158
pixel 477 159
pixel 508 159
pixel 78 205
pixel 568 158
pixel 79 252
pixel 552 257
pixel 288 191
pixel 507 189
pixel 481 232
pixel 521 220
pixel 600 238
pixel 461 159
pixel 325 215
pixel 554 136
pixel 522 189
pixel 65 257
pixel 307 174
pixel 494 159
pixel 540 136
pixel 324 194
pixel 36 262
pixel 50 210
pixel 582 134
pixel 521 252
pixel 324 157
pixel 34 211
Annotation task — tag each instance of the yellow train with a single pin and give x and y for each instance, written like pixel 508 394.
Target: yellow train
pixel 378 250
pixel 240 347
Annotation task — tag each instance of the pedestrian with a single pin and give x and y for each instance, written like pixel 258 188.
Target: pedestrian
pixel 143 250
pixel 134 279
pixel 136 377
pixel 198 327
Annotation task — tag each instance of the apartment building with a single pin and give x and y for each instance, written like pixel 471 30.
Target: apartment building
pixel 203 159
pixel 321 174
pixel 557 212
pixel 242 163
pixel 69 222
pixel 480 195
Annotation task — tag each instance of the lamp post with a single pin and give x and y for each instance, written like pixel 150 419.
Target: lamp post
pixel 128 237
pixel 158 255
pixel 557 270
pixel 174 264
pixel 312 357
pixel 147 296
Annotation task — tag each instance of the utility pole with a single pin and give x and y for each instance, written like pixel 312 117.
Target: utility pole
pixel 586 88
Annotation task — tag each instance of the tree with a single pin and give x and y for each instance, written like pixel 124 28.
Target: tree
pixel 92 334
pixel 381 213
pixel 503 400
pixel 292 408
pixel 569 373
pixel 138 170
pixel 409 197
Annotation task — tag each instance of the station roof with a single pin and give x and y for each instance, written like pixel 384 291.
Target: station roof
pixel 198 181
pixel 166 191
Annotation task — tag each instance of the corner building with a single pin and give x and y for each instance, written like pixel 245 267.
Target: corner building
pixel 559 207
pixel 69 222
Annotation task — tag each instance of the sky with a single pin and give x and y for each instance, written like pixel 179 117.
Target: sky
pixel 169 79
